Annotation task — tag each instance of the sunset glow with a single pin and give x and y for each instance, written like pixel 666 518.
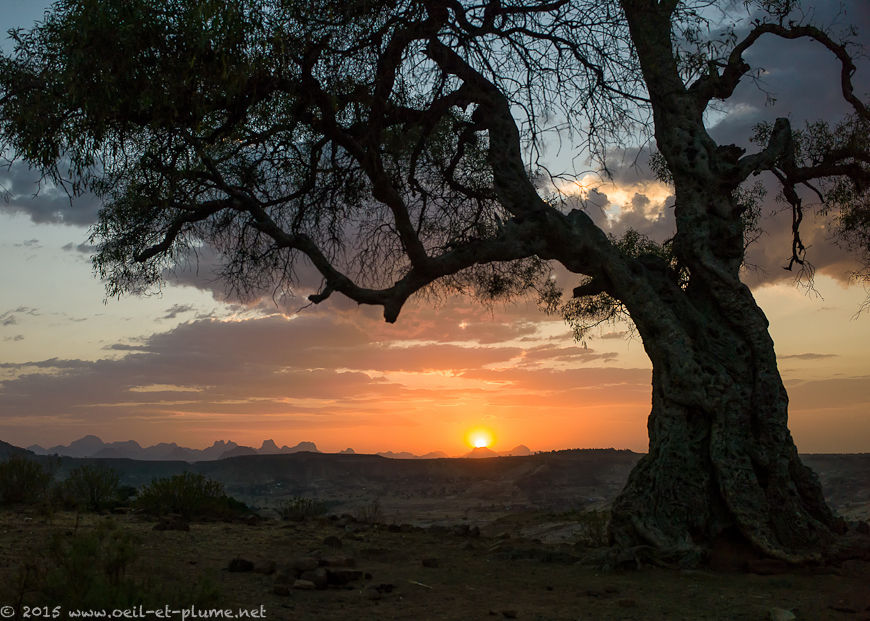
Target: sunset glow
pixel 480 438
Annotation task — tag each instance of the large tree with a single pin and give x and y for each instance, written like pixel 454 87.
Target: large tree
pixel 394 146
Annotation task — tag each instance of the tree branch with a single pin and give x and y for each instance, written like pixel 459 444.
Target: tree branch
pixel 721 86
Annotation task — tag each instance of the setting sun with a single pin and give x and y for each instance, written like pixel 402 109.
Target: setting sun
pixel 479 437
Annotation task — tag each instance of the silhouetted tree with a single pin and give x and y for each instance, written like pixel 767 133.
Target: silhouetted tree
pixel 393 146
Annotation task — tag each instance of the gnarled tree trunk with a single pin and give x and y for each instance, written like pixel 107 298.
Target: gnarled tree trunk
pixel 721 460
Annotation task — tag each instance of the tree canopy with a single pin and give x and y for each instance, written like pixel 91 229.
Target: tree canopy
pixel 389 144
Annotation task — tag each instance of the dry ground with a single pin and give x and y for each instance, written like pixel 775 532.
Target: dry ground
pixel 499 574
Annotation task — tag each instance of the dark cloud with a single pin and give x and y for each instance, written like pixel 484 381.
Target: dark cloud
pixel 614 335
pixel 83 247
pixel 17 337
pixel 10 317
pixel 807 356
pixel 178 309
pixel 25 193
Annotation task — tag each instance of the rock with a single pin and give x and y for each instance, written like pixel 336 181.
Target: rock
pixel 780 614
pixel 332 541
pixel 265 567
pixel 172 522
pixel 316 576
pixel 340 577
pixel 627 603
pixel 394 528
pixel 303 563
pixel 240 565
pixel 337 561
pixel 430 562
pixel 281 589
pixel 767 566
pixel 303 585
pixel 509 614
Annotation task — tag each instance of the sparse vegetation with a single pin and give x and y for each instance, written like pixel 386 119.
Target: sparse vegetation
pixel 23 481
pixel 90 569
pixel 298 509
pixel 371 512
pixel 190 495
pixel 594 525
pixel 91 487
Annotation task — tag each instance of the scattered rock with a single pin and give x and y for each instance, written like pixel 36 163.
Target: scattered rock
pixel 332 541
pixel 316 576
pixel 265 567
pixel 303 585
pixel 303 563
pixel 780 614
pixel 172 522
pixel 240 565
pixel 341 577
pixel 337 561
pixel 767 566
pixel 430 562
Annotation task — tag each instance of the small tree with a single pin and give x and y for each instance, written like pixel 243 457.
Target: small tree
pixel 91 487
pixel 189 495
pixel 22 481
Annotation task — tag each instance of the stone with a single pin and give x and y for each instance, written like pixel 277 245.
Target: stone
pixel 430 562
pixel 172 522
pixel 265 567
pixel 240 565
pixel 332 541
pixel 342 576
pixel 780 614
pixel 303 563
pixel 316 576
pixel 281 589
pixel 304 585
pixel 509 614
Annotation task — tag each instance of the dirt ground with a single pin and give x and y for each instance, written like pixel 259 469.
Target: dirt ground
pixel 512 569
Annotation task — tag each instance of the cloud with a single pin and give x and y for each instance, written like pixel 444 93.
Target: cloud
pixel 178 309
pixel 83 248
pixel 327 366
pixel 10 317
pixel 17 337
pixel 27 194
pixel 807 356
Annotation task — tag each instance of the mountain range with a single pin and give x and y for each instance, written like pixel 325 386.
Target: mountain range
pixel 92 446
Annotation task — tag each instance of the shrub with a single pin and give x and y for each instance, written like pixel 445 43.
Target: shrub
pixel 22 481
pixel 299 508
pixel 91 487
pixel 371 512
pixel 190 495
pixel 594 525
pixel 90 569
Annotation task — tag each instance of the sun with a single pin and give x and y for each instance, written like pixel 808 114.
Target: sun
pixel 479 437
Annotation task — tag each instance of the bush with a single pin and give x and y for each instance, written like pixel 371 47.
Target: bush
pixel 90 569
pixel 190 495
pixel 299 509
pixel 22 481
pixel 371 512
pixel 92 488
